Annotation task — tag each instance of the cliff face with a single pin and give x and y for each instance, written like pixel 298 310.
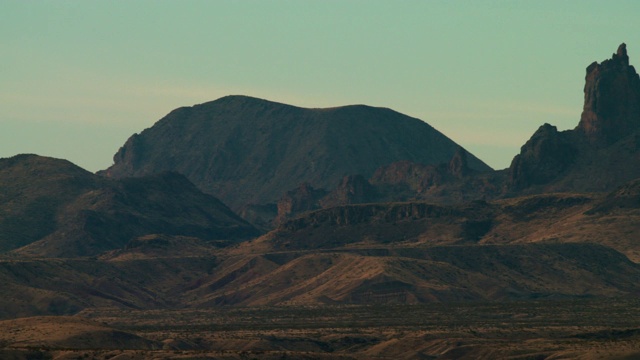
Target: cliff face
pixel 602 152
pixel 251 151
pixel 543 158
pixel 301 199
pixel 406 176
pixel 611 100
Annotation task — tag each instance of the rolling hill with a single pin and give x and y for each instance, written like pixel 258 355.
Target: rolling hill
pixel 52 208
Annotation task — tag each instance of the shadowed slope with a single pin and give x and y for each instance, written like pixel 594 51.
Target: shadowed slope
pixel 357 276
pixel 610 220
pixel 419 275
pixel 51 207
pixel 247 150
pixel 62 332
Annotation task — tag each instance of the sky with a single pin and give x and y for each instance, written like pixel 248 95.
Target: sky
pixel 77 78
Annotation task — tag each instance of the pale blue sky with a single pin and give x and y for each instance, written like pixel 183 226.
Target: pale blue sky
pixel 77 78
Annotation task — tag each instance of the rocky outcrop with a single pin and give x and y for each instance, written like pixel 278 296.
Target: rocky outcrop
pixel 611 100
pixel 353 189
pixel 420 177
pixel 543 158
pixel 370 214
pixel 408 177
pixel 399 181
pixel 601 152
pixel 405 180
pixel 301 199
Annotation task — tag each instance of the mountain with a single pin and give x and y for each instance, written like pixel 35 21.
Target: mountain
pixel 53 208
pixel 389 240
pixel 602 152
pixel 250 151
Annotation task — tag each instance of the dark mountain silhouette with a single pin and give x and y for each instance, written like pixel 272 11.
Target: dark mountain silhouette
pixel 251 151
pixel 51 207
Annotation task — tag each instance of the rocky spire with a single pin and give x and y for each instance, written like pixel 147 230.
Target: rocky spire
pixel 611 99
pixel 621 54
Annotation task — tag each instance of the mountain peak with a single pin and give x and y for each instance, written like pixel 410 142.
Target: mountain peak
pixel 622 54
pixel 251 151
pixel 601 152
pixel 611 99
pixel 243 99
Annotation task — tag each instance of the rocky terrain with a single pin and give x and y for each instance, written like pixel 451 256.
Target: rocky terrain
pixel 379 237
pixel 453 182
pixel 610 220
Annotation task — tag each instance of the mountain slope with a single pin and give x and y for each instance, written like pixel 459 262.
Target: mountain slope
pixel 246 150
pixel 32 190
pixel 339 276
pixel 62 332
pixel 50 207
pixel 609 220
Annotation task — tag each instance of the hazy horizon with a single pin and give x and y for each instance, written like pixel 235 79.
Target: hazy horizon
pixel 79 78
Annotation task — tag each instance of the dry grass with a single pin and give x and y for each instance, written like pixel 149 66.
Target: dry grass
pixel 568 329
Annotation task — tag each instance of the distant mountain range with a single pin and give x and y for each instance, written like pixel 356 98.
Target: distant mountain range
pixel 348 205
pixel 270 162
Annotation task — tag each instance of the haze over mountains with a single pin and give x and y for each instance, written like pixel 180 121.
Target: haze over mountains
pixel 353 205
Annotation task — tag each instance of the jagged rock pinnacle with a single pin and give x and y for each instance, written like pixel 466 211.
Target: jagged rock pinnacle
pixel 622 50
pixel 621 54
pixel 611 99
